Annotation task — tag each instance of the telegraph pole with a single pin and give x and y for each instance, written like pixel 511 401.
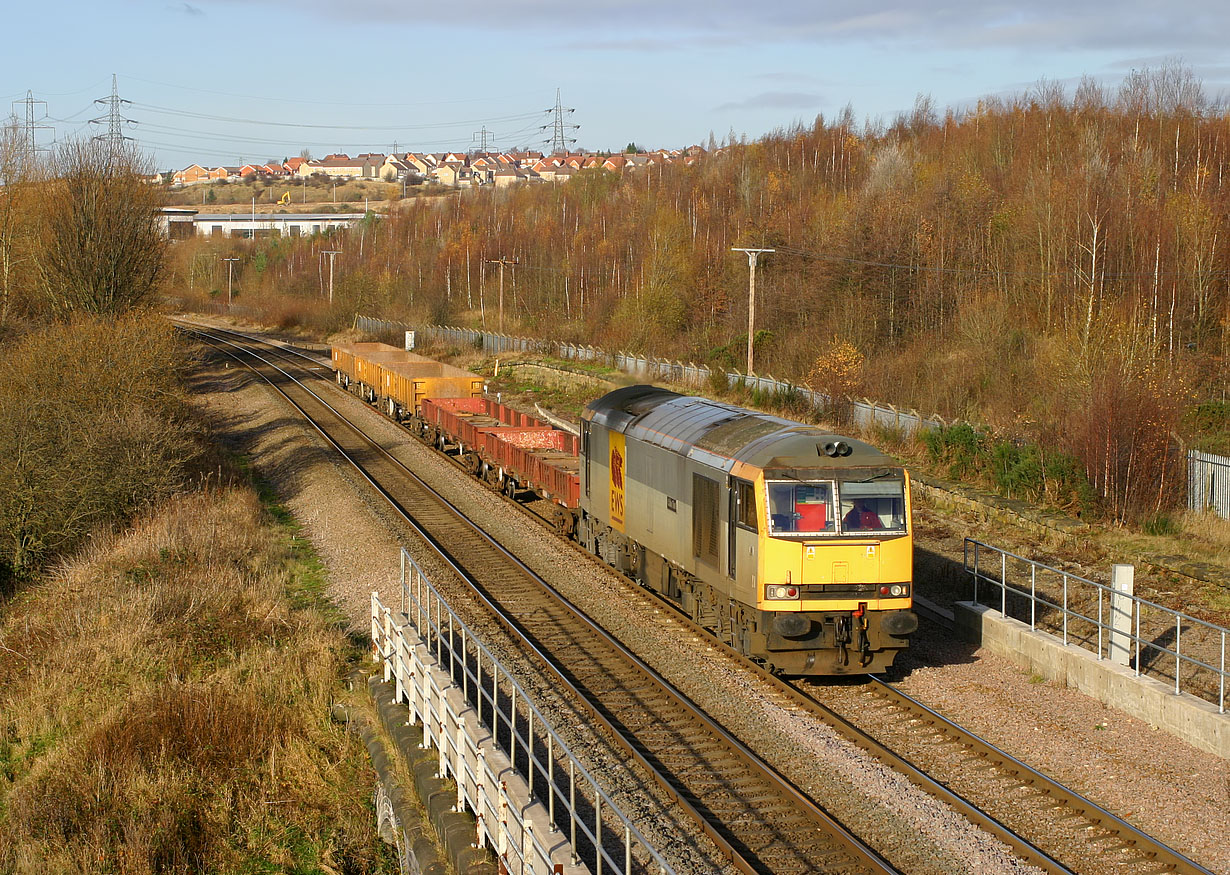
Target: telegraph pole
pixel 331 253
pixel 501 261
pixel 230 266
pixel 751 297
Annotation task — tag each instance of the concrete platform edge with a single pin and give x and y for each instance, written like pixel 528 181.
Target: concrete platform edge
pixel 1193 720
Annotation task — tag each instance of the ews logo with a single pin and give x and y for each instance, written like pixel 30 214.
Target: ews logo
pixel 618 473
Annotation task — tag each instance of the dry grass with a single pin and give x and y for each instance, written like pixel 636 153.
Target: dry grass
pixel 165 708
pixel 1198 537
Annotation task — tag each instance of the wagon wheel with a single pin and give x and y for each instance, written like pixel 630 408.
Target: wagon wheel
pixel 472 463
pixel 510 488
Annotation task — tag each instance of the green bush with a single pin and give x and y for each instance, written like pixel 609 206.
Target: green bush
pixel 1210 423
pixel 961 447
pixel 1014 468
pixel 1160 524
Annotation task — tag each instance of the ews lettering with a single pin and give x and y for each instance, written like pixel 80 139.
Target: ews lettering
pixel 617 486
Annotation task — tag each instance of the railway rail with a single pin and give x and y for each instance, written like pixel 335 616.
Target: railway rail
pixel 757 818
pixel 1035 795
pixel 1085 823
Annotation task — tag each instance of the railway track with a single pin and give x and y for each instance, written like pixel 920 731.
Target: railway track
pixel 636 702
pixel 757 818
pixel 1077 829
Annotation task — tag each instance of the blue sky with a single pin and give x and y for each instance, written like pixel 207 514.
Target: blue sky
pixel 220 81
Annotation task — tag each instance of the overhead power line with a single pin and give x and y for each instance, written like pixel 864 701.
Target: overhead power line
pixel 316 127
pixel 983 272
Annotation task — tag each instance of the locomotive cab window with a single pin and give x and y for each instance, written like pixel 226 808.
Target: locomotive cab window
pixel 797 508
pixel 745 504
pixel 873 507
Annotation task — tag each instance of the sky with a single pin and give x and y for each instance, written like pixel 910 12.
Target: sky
pixel 234 81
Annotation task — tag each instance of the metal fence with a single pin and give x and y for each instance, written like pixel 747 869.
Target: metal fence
pixel 1208 483
pixel 600 835
pixel 867 414
pixel 1161 642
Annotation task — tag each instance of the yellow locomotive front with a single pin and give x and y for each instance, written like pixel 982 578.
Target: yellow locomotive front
pixel 835 564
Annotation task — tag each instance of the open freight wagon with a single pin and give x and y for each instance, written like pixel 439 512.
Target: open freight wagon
pixel 510 450
pixel 397 380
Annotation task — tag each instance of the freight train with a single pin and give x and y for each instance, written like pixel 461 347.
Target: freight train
pixel 791 544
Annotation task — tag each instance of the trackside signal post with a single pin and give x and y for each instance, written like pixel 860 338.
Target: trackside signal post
pixel 751 297
pixel 331 253
pixel 230 266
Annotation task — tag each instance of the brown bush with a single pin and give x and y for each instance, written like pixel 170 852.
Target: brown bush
pixel 99 247
pixel 91 428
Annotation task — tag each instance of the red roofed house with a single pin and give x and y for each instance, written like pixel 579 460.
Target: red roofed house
pixel 191 175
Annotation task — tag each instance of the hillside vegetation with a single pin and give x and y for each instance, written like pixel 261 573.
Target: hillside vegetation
pixel 167 657
pixel 165 699
pixel 1053 265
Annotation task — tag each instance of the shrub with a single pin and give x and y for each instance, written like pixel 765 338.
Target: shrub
pixel 92 428
pixel 1014 468
pixel 1210 423
pixel 1160 524
pixel 962 447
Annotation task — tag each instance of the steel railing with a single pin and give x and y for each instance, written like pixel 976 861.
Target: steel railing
pixel 598 831
pixel 1078 610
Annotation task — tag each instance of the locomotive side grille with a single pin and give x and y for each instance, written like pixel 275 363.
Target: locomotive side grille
pixel 705 522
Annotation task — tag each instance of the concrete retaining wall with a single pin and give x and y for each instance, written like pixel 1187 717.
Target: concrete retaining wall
pixel 1193 720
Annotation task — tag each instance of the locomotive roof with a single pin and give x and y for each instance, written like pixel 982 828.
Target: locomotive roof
pixel 720 434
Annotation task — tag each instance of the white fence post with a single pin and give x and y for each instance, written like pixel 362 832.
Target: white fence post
pixel 459 765
pixel 387 653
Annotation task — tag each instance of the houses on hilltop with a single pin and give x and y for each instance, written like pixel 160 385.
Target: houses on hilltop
pixel 450 169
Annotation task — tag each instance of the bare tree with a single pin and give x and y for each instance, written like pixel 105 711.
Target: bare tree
pixel 100 247
pixel 17 175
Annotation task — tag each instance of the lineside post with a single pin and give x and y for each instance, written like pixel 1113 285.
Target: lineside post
pixel 1122 582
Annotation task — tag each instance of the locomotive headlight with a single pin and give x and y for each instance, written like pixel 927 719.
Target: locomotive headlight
pixel 778 592
pixel 897 589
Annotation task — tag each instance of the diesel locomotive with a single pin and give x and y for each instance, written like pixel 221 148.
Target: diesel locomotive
pixel 792 544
